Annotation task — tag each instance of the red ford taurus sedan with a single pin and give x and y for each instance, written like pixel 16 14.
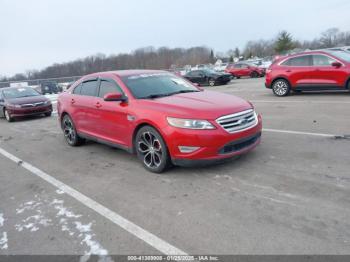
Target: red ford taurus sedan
pixel 161 117
pixel 23 101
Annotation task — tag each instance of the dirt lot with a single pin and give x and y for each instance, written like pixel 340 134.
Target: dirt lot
pixel 289 196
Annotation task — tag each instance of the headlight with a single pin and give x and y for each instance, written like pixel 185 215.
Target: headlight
pixel 190 123
pixel 14 106
pixel 48 102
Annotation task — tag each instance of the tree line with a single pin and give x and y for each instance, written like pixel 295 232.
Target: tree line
pixel 284 42
pixel 165 58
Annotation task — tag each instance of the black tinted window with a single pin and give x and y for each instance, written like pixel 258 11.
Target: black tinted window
pixel 298 61
pixel 89 88
pixel 108 87
pixel 237 65
pixel 77 89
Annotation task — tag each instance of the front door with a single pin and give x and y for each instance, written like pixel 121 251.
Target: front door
pixel 325 75
pixel 112 117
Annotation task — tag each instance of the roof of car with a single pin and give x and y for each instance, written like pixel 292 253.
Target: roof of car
pixel 123 73
pixel 14 87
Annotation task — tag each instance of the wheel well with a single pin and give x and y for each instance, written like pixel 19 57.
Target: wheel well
pixel 62 115
pixel 135 133
pixel 347 85
pixel 279 78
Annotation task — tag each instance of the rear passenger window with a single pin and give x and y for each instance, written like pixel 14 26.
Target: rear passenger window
pixel 89 88
pixel 108 87
pixel 298 61
pixel 77 89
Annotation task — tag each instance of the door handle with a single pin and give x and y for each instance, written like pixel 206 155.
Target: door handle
pixel 288 71
pixel 98 105
pixel 72 101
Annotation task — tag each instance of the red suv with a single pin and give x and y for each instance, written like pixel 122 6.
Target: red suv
pixel 309 71
pixel 245 69
pixel 161 117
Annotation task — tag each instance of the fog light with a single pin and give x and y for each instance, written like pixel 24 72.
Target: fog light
pixel 188 149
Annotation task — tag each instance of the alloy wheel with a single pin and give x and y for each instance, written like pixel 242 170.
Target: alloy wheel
pixel 280 88
pixel 69 131
pixel 151 150
pixel 212 82
pixel 8 116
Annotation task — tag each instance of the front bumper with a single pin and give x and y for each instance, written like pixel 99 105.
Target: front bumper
pixel 20 112
pixel 214 145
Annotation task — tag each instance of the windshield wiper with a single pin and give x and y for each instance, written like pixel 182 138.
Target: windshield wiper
pixel 168 94
pixel 185 91
pixel 155 96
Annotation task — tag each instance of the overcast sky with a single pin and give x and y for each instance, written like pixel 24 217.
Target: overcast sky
pixel 38 33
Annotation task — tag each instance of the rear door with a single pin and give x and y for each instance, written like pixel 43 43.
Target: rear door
pixel 112 123
pixel 196 76
pixel 245 70
pixel 325 75
pixel 84 105
pixel 298 71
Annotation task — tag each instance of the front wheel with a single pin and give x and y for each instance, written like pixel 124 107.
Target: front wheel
pixel 254 74
pixel 152 150
pixel 281 87
pixel 70 133
pixel 211 82
pixel 8 116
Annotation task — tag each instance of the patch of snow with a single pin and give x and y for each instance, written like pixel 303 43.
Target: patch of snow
pixel 1 219
pixel 59 191
pixel 82 228
pixel 3 241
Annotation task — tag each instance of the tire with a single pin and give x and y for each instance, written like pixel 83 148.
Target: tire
pixel 281 87
pixel 70 134
pixel 8 116
pixel 211 82
pixel 48 114
pixel 254 74
pixel 152 150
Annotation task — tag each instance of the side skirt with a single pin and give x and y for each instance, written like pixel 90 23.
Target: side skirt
pixel 105 142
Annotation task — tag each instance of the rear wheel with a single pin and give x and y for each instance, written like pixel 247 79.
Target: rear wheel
pixel 70 133
pixel 8 115
pixel 281 87
pixel 152 150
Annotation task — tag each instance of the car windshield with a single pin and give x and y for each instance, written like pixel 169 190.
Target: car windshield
pixel 340 54
pixel 19 92
pixel 157 85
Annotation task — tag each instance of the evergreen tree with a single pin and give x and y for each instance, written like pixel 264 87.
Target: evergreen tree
pixel 284 42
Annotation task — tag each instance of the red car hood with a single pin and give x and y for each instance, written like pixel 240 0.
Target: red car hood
pixel 27 100
pixel 202 105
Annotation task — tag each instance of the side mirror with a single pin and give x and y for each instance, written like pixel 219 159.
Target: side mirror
pixel 336 64
pixel 114 97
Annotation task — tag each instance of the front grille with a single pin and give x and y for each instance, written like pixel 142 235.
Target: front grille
pixel 32 105
pixel 239 121
pixel 239 145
